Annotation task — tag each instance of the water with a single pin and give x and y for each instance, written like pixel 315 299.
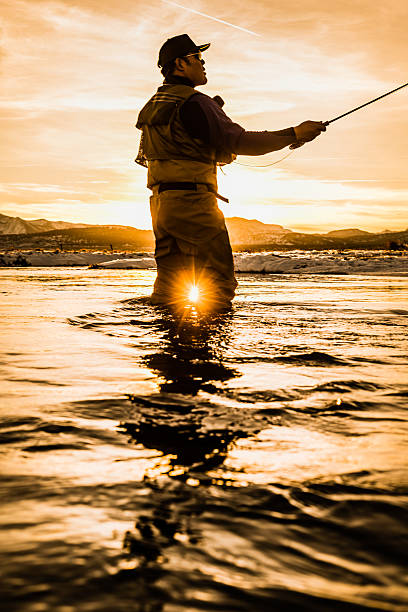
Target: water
pixel 251 461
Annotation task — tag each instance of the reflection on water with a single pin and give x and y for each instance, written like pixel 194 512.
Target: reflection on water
pixel 251 460
pixel 189 361
pixel 191 354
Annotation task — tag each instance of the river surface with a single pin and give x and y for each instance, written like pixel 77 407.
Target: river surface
pixel 250 461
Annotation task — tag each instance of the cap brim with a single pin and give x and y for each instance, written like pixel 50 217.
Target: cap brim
pixel 203 47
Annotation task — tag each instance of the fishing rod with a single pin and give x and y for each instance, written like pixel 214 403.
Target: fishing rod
pixel 366 104
pixel 296 145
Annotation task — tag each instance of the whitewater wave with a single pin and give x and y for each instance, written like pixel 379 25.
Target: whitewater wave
pixel 296 262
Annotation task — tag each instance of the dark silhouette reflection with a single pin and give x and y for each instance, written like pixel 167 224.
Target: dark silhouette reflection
pixel 153 549
pixel 189 361
pixel 188 446
pixel 191 357
pixel 174 421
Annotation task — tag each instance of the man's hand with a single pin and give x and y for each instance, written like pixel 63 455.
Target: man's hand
pixel 307 131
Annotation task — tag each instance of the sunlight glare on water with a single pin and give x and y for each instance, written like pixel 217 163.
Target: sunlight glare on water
pixel 194 294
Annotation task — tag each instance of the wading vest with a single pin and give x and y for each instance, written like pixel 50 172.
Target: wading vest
pixel 166 148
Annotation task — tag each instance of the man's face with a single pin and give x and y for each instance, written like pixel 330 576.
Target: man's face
pixel 193 68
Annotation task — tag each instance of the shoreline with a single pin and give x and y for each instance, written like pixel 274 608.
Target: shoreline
pixel 273 262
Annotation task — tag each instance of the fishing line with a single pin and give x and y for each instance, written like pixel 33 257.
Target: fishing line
pixel 266 165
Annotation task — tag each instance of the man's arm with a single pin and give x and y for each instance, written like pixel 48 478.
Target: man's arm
pixel 204 119
pixel 259 143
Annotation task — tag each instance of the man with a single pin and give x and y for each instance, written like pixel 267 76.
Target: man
pixel 185 135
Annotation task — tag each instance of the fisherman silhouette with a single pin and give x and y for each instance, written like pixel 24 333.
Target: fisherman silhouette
pixel 185 135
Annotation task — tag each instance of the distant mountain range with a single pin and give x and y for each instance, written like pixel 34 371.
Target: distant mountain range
pixel 245 234
pixel 16 225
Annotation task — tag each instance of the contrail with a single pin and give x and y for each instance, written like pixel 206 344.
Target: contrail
pixel 209 17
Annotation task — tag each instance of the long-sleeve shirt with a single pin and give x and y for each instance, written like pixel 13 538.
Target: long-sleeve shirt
pixel 204 119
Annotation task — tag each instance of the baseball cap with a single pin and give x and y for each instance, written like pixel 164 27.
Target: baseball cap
pixel 178 46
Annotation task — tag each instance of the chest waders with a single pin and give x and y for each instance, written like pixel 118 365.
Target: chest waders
pixel 192 243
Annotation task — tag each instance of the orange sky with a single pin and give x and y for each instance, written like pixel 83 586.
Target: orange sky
pixel 74 75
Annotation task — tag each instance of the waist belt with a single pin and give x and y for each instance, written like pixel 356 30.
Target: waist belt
pixel 190 187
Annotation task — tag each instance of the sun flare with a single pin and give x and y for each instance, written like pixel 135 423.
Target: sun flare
pixel 194 294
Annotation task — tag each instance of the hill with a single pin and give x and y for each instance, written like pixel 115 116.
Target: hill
pixel 252 230
pixel 245 235
pixel 321 242
pixel 346 233
pixel 95 237
pixel 16 225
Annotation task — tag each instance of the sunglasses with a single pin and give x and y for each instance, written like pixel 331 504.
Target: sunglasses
pixel 197 55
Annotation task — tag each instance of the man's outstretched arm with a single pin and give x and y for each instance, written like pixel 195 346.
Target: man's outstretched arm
pixel 204 119
pixel 259 143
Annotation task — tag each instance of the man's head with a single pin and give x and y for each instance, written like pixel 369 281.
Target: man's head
pixel 180 56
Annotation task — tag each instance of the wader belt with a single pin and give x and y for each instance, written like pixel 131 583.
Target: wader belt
pixel 190 187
